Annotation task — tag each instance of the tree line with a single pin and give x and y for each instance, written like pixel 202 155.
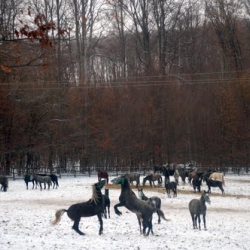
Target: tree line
pixel 124 83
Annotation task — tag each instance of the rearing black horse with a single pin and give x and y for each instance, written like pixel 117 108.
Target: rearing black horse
pixel 85 209
pixel 143 210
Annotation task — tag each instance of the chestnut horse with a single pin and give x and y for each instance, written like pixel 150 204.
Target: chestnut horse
pixel 103 175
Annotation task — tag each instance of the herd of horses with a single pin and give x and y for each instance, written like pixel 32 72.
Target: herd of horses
pixel 141 205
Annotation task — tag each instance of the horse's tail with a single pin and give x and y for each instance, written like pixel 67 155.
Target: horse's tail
pixel 161 214
pixel 58 215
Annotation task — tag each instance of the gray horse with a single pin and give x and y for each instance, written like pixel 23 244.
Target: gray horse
pixel 198 207
pixel 41 179
pixel 154 201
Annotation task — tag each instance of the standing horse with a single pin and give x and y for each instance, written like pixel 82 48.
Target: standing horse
pixel 171 185
pixel 197 184
pixel 103 175
pixel 4 183
pixel 143 211
pixel 167 172
pixel 92 207
pixel 153 201
pixel 152 178
pixel 27 179
pixel 198 207
pixel 106 203
pixel 133 177
pixel 218 176
pixel 214 183
pixel 42 179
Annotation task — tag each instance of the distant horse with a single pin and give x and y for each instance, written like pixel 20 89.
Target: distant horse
pixel 4 183
pixel 214 183
pixel 106 203
pixel 103 175
pixel 153 201
pixel 158 169
pixel 197 184
pixel 133 177
pixel 54 180
pixel 92 207
pixel 184 173
pixel 198 207
pixel 218 176
pixel 176 176
pixel 195 175
pixel 167 172
pixel 143 210
pixel 171 185
pixel 152 178
pixel 27 179
pixel 41 179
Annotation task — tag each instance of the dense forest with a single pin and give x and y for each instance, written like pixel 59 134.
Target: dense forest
pixel 124 83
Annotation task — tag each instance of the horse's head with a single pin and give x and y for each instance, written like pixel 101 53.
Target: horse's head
pixel 100 184
pixel 206 197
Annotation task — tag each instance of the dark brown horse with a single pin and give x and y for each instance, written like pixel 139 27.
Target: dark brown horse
pixel 92 207
pixel 143 210
pixel 4 183
pixel 152 178
pixel 103 175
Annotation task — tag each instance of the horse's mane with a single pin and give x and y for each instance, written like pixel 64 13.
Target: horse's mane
pixel 94 195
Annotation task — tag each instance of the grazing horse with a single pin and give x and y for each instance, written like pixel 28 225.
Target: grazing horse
pixel 194 175
pixel 171 185
pixel 106 203
pixel 42 179
pixel 198 207
pixel 103 175
pixel 4 183
pixel 143 210
pixel 133 177
pixel 152 178
pixel 197 184
pixel 92 207
pixel 214 183
pixel 153 201
pixel 218 176
pixel 54 180
pixel 184 173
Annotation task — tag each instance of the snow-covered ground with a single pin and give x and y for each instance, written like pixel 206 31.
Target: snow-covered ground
pixel 26 215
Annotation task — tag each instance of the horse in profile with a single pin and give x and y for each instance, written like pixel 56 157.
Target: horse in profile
pixel 92 207
pixel 106 203
pixel 152 178
pixel 218 176
pixel 153 201
pixel 4 183
pixel 103 175
pixel 198 207
pixel 133 177
pixel 143 210
pixel 171 185
pixel 214 183
pixel 39 179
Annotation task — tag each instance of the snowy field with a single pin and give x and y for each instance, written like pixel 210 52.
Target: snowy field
pixel 26 215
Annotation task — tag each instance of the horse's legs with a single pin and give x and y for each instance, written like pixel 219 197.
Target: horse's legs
pixel 159 217
pixel 40 186
pixel 199 220
pixel 101 223
pixel 76 227
pixel 117 210
pixel 204 221
pixel 139 222
pixel 109 210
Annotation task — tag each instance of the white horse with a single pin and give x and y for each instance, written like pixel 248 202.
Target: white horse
pixel 218 176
